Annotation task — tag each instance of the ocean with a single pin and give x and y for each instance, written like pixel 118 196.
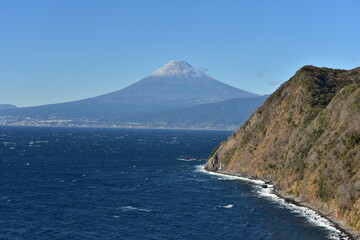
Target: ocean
pixel 87 183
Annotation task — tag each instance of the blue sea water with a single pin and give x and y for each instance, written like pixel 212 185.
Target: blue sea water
pixel 78 183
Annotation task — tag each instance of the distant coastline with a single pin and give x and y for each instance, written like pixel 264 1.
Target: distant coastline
pixel 230 130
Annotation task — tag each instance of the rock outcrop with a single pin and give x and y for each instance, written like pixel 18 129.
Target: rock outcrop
pixel 306 140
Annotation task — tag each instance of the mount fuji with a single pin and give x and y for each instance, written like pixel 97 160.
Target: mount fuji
pixel 175 85
pixel 179 84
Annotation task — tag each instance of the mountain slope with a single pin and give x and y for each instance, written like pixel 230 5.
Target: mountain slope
pixel 175 85
pixel 306 139
pixel 225 114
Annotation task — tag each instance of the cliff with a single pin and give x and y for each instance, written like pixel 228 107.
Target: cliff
pixel 306 140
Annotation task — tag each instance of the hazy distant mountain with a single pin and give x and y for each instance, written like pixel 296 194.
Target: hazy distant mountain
pixel 7 106
pixel 175 85
pixel 227 113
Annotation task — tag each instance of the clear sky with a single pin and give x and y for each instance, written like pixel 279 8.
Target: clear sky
pixel 63 50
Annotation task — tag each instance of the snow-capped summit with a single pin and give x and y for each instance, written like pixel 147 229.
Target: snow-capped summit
pixel 178 69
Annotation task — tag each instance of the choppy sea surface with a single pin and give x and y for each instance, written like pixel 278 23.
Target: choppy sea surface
pixel 81 183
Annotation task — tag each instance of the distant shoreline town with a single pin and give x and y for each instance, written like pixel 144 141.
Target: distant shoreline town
pixel 88 123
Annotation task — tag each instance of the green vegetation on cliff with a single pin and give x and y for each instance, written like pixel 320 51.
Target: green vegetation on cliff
pixel 306 139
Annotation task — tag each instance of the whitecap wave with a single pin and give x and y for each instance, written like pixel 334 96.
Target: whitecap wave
pixel 221 176
pixel 311 215
pixel 227 206
pixel 190 159
pixel 131 208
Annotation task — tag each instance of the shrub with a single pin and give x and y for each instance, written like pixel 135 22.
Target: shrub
pixel 353 139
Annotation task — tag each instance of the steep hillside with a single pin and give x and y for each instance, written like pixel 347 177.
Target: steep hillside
pixel 305 139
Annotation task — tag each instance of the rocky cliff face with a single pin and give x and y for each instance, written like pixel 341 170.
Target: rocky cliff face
pixel 305 139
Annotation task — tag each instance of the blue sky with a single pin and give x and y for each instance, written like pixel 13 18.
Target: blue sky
pixel 58 51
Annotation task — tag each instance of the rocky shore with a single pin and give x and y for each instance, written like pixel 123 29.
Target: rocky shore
pixel 346 232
